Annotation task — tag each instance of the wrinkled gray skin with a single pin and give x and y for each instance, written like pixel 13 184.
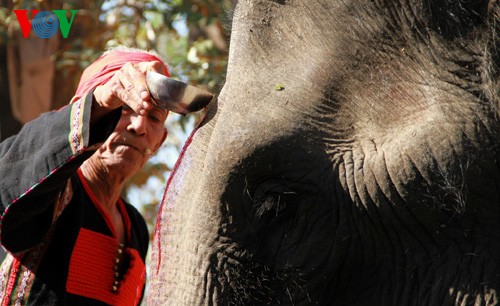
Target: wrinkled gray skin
pixel 370 178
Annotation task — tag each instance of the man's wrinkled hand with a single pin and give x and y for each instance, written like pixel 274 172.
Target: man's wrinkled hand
pixel 128 86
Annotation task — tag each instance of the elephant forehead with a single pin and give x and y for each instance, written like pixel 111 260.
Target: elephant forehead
pixel 338 69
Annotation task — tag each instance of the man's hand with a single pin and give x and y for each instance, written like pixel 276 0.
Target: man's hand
pixel 127 86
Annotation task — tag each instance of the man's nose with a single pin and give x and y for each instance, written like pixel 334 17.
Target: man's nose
pixel 138 124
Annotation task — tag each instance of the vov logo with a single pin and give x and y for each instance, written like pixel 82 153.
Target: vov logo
pixel 45 23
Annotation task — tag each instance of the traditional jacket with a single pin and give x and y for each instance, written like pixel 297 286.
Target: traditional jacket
pixel 62 247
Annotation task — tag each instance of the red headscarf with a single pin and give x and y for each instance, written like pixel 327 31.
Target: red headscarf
pixel 103 69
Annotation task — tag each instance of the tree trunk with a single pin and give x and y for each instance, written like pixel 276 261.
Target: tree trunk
pixel 8 124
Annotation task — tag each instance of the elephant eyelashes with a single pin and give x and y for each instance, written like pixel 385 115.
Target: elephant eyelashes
pixel 273 206
pixel 272 201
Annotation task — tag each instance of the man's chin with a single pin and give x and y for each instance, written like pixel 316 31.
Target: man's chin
pixel 128 150
pixel 127 156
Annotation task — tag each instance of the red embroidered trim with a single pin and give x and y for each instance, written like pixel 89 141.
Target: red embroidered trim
pixel 91 266
pixel 11 283
pixel 91 271
pixel 133 282
pixel 4 275
pixel 22 269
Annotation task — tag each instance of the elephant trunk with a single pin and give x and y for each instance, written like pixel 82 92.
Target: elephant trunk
pixel 183 211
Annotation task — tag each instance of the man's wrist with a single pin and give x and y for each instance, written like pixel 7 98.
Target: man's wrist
pixel 98 111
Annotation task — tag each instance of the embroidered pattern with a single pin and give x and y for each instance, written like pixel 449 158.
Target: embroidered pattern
pixel 93 268
pixel 4 270
pixel 76 142
pixel 76 125
pixel 14 290
pixel 31 260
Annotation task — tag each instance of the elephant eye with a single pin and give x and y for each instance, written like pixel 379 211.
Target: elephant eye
pixel 272 201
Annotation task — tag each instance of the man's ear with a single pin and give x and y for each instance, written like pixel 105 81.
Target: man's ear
pixel 165 133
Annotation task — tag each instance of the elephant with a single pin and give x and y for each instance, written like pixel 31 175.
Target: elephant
pixel 351 158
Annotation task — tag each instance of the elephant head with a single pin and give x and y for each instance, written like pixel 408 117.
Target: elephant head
pixel 352 159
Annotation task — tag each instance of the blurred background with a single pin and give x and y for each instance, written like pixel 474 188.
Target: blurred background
pixel 37 75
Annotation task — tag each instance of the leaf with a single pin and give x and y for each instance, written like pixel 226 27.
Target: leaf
pixel 279 87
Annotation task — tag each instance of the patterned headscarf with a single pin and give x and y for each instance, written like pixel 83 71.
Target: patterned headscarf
pixel 103 69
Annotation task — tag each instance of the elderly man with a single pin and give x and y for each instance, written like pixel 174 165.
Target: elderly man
pixel 71 239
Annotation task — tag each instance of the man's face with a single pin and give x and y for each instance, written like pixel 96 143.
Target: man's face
pixel 135 137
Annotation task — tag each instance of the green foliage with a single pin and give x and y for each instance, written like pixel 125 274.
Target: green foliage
pixel 187 34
